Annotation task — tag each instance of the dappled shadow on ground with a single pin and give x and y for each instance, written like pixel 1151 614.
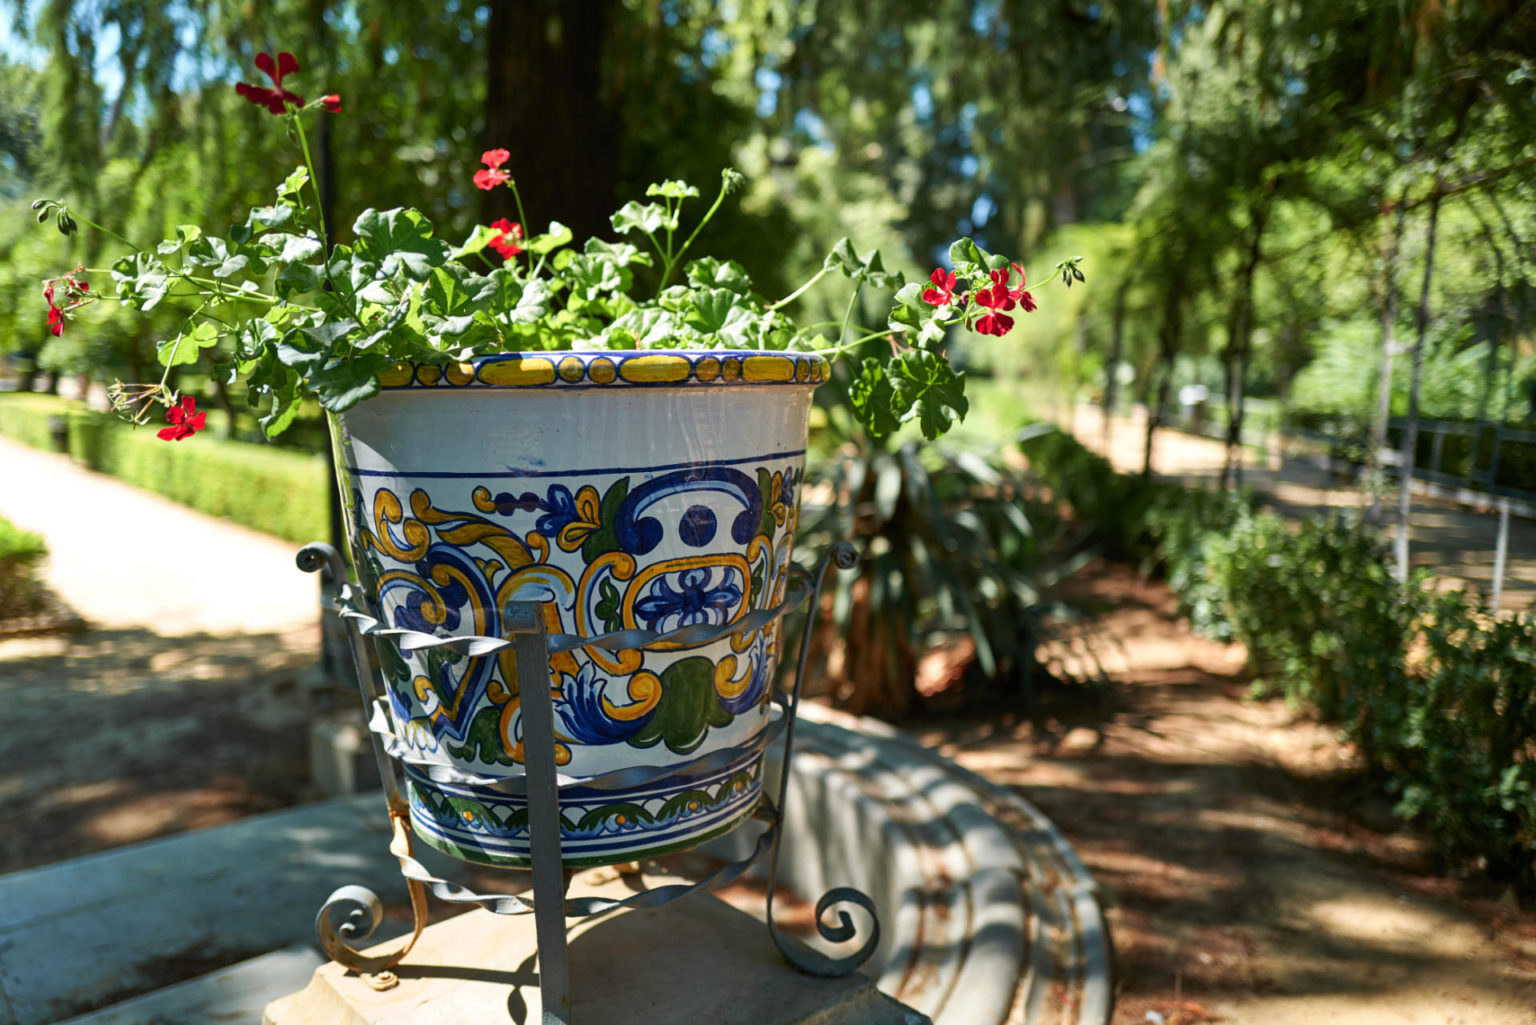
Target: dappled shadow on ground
pixel 1251 871
pixel 115 736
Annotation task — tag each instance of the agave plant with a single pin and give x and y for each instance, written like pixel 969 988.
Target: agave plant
pixel 954 554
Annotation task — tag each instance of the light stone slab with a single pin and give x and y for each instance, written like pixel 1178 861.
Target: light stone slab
pixel 694 961
pixel 235 994
pixel 92 931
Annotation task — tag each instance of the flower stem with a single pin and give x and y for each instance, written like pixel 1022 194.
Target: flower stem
pixel 517 197
pixel 797 293
pixel 105 231
pixel 853 301
pixel 708 214
pixel 314 183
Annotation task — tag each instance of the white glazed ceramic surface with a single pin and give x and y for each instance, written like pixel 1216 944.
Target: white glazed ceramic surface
pixel 649 490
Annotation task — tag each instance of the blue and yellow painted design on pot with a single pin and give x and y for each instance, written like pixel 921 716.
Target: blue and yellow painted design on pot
pixel 604 369
pixel 650 490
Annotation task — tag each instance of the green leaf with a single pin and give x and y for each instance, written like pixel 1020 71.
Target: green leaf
pixel 672 190
pixel 709 309
pixel 293 183
pixel 867 268
pixel 401 241
pixel 293 248
pixel 647 217
pixel 621 254
pixel 968 258
pixel 592 276
pixel 534 303
pixel 188 345
pixel 477 241
pixel 870 396
pixel 142 280
pixel 444 291
pixel 558 235
pixel 344 383
pixel 296 278
pixel 926 388
pixel 708 272
pixel 185 233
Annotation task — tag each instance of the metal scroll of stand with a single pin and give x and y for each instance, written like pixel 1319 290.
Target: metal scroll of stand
pixel 539 780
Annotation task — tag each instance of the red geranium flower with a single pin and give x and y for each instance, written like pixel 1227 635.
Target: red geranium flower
pixel 273 99
pixel 184 419
pixel 943 292
pixel 508 234
pixel 997 299
pixel 1024 299
pixel 75 290
pixel 331 104
pixel 493 175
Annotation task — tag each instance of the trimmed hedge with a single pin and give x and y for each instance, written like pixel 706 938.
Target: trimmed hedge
pixel 1436 691
pixel 25 417
pixel 20 554
pixel 275 491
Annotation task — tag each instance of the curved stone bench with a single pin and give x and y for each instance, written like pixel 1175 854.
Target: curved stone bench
pixel 988 915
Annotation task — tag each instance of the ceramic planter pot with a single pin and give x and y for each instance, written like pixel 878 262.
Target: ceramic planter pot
pixel 620 490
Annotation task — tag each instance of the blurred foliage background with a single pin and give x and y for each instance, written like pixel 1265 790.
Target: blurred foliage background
pixel 1322 205
pixel 1269 196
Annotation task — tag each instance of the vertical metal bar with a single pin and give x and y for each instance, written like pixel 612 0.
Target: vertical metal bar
pixel 311 558
pixel 526 625
pixel 1500 552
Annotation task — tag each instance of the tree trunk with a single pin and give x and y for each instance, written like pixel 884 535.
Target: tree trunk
pixel 1170 334
pixel 547 103
pixel 1116 353
pixel 1391 247
pixel 1411 431
pixel 1239 338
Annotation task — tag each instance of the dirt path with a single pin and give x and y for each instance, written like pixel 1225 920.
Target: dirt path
pixel 1225 835
pixel 1448 539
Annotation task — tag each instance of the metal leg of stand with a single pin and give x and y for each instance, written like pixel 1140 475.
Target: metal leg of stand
pixel 525 623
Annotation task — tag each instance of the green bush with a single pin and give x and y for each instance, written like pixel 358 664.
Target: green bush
pixel 1181 525
pixel 1323 617
pixel 20 555
pixel 275 491
pixel 270 490
pixel 1467 760
pixel 1114 505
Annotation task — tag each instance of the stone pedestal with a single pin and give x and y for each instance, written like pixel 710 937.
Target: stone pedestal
pixel 694 961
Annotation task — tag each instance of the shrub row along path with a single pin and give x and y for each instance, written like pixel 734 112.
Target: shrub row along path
pixel 1452 541
pixel 180 706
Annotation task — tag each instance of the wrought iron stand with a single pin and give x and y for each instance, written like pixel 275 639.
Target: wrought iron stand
pixel 541 783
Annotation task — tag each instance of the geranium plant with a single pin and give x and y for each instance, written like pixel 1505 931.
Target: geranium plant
pixel 275 303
